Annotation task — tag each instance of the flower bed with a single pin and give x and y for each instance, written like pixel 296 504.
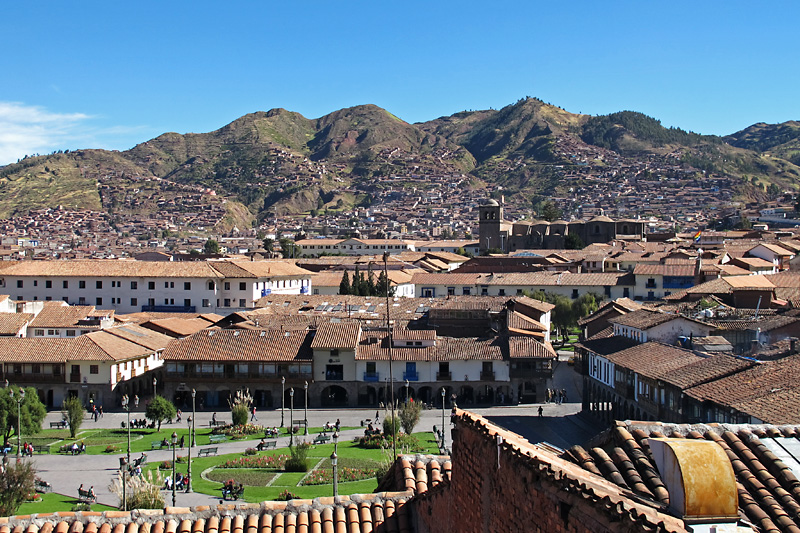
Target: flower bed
pixel 404 441
pixel 238 432
pixel 324 477
pixel 251 477
pixel 265 461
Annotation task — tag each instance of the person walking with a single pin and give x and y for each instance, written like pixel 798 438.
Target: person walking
pixel 136 401
pixel 253 417
pixel 541 411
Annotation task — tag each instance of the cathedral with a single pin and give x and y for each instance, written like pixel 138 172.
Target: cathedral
pixel 499 234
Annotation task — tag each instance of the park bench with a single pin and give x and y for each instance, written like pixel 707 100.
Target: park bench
pixel 59 425
pixel 321 439
pixel 86 496
pixel 216 439
pixel 271 444
pixel 234 493
pixel 42 486
pixel 41 449
pixel 299 422
pixel 205 452
pixel 212 423
pixel 156 444
pixel 67 448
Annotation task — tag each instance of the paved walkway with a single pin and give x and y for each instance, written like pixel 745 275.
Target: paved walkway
pixel 560 426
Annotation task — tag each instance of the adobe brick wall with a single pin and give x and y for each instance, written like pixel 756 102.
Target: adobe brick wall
pixel 521 494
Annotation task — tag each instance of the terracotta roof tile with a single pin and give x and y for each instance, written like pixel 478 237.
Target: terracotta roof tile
pixel 341 335
pixel 241 345
pixel 12 323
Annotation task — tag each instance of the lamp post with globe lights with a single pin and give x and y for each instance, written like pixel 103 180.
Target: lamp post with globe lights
pixel 305 410
pixel 191 443
pixel 291 417
pixel 283 396
pixel 444 433
pixel 20 397
pixel 174 485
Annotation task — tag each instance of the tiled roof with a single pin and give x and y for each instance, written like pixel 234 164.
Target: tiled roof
pixel 768 490
pixel 39 350
pixel 12 323
pixel 528 348
pixel 148 338
pixel 516 320
pixel 405 334
pixel 533 279
pixel 341 335
pixel 705 370
pixel 603 345
pixel 177 327
pixel 653 359
pixel 643 319
pixel 417 473
pixel 534 303
pixel 65 316
pixel 241 345
pixel 386 511
pixel 664 270
pixel 446 349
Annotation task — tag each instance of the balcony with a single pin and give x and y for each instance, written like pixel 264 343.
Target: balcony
pixel 487 375
pixel 304 290
pixel 444 376
pixel 35 378
pixel 372 376
pixel 411 376
pixel 75 378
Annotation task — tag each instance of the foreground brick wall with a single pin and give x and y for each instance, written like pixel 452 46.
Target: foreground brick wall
pixel 537 492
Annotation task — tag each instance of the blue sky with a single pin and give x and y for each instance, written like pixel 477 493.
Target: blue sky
pixel 113 74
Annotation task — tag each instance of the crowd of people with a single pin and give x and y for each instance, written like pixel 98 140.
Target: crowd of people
pixel 557 396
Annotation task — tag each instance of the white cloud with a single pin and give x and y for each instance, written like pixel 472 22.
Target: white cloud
pixel 26 130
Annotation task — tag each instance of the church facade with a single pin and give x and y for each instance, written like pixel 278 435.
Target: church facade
pixel 499 234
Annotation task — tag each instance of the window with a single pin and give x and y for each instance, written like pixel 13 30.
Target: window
pixel 76 369
pixel 574 293
pixel 334 372
pixel 81 301
pixel 151 285
pixel 65 284
pixel 65 299
pixel 48 284
pixel 98 284
pixel 38 333
pixel 98 301
pixel 212 286
pixel 70 333
pixel 335 352
pixel 82 284
pixel 51 332
pixel 242 286
pixel 19 284
pixel 227 302
pixel 227 285
pixel 626 292
pixel 48 298
pixel 37 369
pixel 134 301
pixel 501 292
pixel 466 291
pixel 187 285
pixel 187 302
pixel 206 303
pixel 242 302
pixel 94 369
pixel 56 370
pixel 451 291
pixel 134 285
pixel 35 283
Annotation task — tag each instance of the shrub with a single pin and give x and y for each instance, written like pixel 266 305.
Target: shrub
pixel 250 451
pixel 409 414
pixel 240 406
pixel 391 425
pixel 143 492
pixel 238 432
pixel 110 448
pixel 408 443
pixel 285 496
pixel 16 484
pixel 165 465
pixel 324 477
pixel 180 459
pixel 297 462
pixel 78 507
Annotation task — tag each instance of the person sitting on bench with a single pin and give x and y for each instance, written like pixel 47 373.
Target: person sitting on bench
pixel 260 445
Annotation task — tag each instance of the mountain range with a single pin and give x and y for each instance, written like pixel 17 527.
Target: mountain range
pixel 279 162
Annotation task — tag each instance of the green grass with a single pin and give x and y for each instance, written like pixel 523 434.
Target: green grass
pixel 349 454
pixel 52 503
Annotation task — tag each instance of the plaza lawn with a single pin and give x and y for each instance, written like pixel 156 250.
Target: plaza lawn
pixel 351 456
pixel 52 503
pixel 98 440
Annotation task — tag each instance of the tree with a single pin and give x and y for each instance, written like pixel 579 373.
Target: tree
pixel 16 486
pixel 573 242
pixel 356 284
pixel 744 223
pixel 548 211
pixel 344 285
pixel 31 410
pixel 160 409
pixel 409 414
pixel 211 247
pixel 269 244
pixel 562 315
pixel 289 249
pixel 369 282
pixel 585 305
pixel 391 425
pixel 72 410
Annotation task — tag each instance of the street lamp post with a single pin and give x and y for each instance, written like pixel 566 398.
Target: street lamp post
pixel 127 406
pixel 305 410
pixel 444 433
pixel 291 417
pixel 191 443
pixel 406 391
pixel 19 399
pixel 174 445
pixel 389 332
pixel 334 464
pixel 155 391
pixel 283 396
